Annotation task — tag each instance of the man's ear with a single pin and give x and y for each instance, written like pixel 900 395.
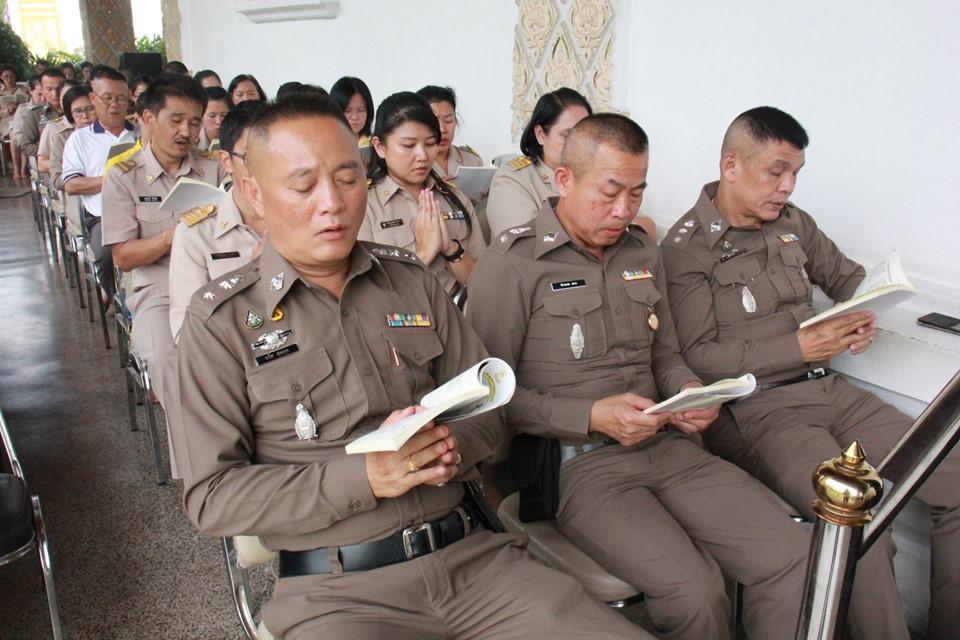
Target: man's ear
pixel 563 179
pixel 148 117
pixel 379 147
pixel 226 161
pixel 729 165
pixel 250 189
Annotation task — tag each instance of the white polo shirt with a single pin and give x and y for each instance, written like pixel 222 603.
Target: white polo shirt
pixel 85 156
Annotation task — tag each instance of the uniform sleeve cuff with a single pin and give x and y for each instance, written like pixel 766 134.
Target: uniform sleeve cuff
pixel 349 488
pixel 571 417
pixel 786 349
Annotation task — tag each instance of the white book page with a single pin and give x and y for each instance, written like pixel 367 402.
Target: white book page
pixel 702 397
pixel 188 194
pixel 474 182
pixel 888 271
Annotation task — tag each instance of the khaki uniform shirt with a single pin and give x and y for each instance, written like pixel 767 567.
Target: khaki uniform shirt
pixel 204 248
pixel 57 143
pixel 739 295
pixel 29 123
pixel 575 328
pixel 459 157
pixel 247 472
pixel 519 189
pixel 392 212
pixel 132 194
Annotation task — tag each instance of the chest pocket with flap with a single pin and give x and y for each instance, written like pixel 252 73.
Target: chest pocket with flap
pixel 643 295
pixel 794 285
pixel 564 312
pixel 415 347
pixel 731 277
pixel 304 378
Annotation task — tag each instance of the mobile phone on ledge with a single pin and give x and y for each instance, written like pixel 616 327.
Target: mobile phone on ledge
pixel 941 322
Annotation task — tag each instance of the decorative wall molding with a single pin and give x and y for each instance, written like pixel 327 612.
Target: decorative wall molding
pixel 562 43
pixel 280 10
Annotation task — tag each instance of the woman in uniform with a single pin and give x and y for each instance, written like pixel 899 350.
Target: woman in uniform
pixel 218 105
pixel 9 87
pixel 245 87
pixel 78 112
pixel 408 204
pixel 354 98
pixel 443 102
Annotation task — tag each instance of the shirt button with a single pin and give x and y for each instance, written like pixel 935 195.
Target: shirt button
pixel 575 311
pixel 297 387
pixel 367 371
pixel 344 313
pixel 618 310
pixel 355 505
pixel 417 356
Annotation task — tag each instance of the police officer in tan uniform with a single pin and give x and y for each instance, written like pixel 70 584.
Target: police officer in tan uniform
pixel 576 300
pixel 140 235
pixel 213 240
pixel 408 205
pixel 29 123
pixel 740 266
pixel 298 360
pixel 450 157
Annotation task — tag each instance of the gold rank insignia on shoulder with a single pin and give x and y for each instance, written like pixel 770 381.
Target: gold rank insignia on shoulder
pixel 57 119
pixel 208 154
pixel 471 150
pixel 787 238
pixel 369 181
pixel 636 274
pixel 453 215
pixel 197 214
pixel 126 165
pixel 408 320
pixel 520 163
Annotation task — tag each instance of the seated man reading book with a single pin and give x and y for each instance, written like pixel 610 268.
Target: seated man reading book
pixel 741 266
pixel 293 356
pixel 575 301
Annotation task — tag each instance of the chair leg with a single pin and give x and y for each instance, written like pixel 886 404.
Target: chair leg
pixel 239 588
pixel 78 278
pixel 132 395
pixel 91 292
pixel 103 316
pixel 152 428
pixel 43 550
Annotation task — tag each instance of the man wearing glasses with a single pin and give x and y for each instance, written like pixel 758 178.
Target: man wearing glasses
pixel 140 234
pixel 213 240
pixel 85 156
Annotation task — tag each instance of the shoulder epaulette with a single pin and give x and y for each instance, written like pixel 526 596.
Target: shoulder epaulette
pixel 57 119
pixel 197 214
pixel 208 154
pixel 390 252
pixel 680 233
pixel 470 149
pixel 217 291
pixel 132 118
pixel 369 182
pixel 506 239
pixel 126 165
pixel 520 163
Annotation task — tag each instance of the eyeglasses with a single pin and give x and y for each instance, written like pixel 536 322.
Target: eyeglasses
pixel 242 156
pixel 85 111
pixel 117 100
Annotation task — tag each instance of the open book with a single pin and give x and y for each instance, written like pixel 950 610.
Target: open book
pixel 188 193
pixel 16 98
pixel 884 287
pixel 484 386
pixel 703 397
pixel 474 182
pixel 118 148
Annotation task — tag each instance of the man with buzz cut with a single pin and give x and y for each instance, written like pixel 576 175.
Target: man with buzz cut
pixel 290 358
pixel 140 234
pixel 575 300
pixel 85 157
pixel 741 266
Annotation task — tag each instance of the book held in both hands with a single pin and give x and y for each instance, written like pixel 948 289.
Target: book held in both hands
pixel 884 287
pixel 188 194
pixel 486 385
pixel 702 397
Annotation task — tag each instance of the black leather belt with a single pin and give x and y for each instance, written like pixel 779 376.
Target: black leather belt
pixel 413 542
pixel 813 374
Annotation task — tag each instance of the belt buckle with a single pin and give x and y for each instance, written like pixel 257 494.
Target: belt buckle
pixel 409 532
pixel 816 374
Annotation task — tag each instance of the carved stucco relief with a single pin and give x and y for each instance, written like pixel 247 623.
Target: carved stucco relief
pixel 562 43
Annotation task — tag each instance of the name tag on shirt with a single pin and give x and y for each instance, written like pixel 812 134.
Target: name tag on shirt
pixel 225 255
pixel 636 274
pixel 389 224
pixel 151 198
pixel 453 215
pixel 787 238
pixel 567 284
pixel 276 355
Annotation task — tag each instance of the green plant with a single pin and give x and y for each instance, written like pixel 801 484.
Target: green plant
pixel 155 44
pixel 57 57
pixel 14 51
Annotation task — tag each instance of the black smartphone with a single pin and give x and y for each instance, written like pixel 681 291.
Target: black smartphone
pixel 940 321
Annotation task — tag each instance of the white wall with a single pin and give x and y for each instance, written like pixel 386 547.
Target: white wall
pixel 876 84
pixel 392 45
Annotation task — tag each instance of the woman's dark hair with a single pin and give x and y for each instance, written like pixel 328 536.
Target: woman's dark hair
pixel 433 93
pixel 136 81
pixel 395 111
pixel 548 110
pixel 71 94
pixel 245 77
pixel 217 94
pixel 347 87
pixel 6 66
pixel 207 73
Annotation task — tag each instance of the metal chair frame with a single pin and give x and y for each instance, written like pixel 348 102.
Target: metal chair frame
pixel 238 574
pixel 39 538
pixel 92 282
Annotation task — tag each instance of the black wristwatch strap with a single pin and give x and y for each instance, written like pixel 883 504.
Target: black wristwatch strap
pixel 457 255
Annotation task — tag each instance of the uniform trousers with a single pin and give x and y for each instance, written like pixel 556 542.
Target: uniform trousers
pixel 103 256
pixel 152 340
pixel 485 586
pixel 782 435
pixel 668 518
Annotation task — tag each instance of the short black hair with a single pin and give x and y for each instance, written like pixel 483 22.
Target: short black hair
pixel 547 111
pixel 66 102
pixel 610 129
pixel 6 66
pixel 33 81
pixel 347 87
pixel 176 67
pixel 172 86
pixel 136 81
pixel 287 87
pixel 70 83
pixel 52 72
pixel 104 72
pixel 770 123
pixel 217 94
pixel 433 93
pixel 207 73
pixel 237 121
pixel 66 65
pixel 245 77
pixel 294 107
pixel 302 89
pixel 85 64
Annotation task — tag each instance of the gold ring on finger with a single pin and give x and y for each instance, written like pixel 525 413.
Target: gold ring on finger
pixel 411 467
pixel 458 460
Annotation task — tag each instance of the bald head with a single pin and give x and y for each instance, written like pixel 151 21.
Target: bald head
pixel 752 128
pixel 610 129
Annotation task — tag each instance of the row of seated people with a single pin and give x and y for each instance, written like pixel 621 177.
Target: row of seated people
pixel 283 361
